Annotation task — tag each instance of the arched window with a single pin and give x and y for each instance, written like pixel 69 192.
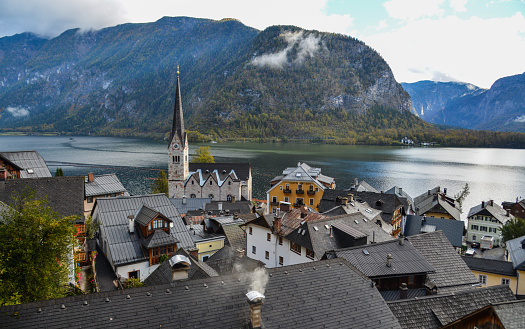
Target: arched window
pixel 193 196
pixel 229 198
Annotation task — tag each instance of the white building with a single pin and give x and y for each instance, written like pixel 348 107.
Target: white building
pixel 484 220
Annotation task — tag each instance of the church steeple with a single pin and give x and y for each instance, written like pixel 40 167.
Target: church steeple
pixel 177 128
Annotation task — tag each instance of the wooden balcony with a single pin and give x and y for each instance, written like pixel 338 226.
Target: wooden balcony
pixel 311 192
pixel 299 191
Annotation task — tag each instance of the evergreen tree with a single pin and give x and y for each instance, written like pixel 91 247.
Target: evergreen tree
pixel 513 229
pixel 160 185
pixel 59 172
pixel 35 250
pixel 203 155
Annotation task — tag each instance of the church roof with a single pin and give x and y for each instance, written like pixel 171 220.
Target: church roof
pixel 177 128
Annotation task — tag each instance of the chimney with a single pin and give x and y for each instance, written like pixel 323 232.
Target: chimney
pixel 379 223
pixel 344 201
pixel 428 193
pixel 350 197
pixel 256 300
pixel 523 244
pixel 445 191
pixel 491 203
pixel 219 205
pixel 235 215
pixel 331 232
pixel 233 199
pixel 194 252
pixel 482 204
pixel 373 237
pixel 508 213
pixel 91 177
pixel 389 260
pixel 285 206
pixel 356 182
pixel 403 293
pixel 304 211
pixel 180 266
pixel 131 223
pixel 239 252
pixel 183 199
pixel 401 240
pixel 277 224
pixel 400 190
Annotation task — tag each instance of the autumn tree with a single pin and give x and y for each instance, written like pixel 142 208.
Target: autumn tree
pixel 203 155
pixel 36 248
pixel 160 185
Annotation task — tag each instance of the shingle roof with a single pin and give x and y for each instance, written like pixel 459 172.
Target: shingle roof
pixel 65 194
pixel 227 261
pixel 240 207
pixel 163 275
pixel 493 209
pixel 438 310
pixel 113 214
pixel 400 193
pixel 104 184
pixel 434 200
pixel 516 252
pixel 451 270
pixel 511 314
pixel 453 229
pixel 489 265
pixel 235 236
pixel 145 215
pixel 312 295
pixel 159 238
pixel 28 161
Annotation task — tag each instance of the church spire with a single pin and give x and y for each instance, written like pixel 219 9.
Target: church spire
pixel 177 128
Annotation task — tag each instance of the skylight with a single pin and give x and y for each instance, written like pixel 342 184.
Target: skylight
pixel 327 227
pixel 315 228
pixel 366 252
pixel 355 221
pixel 30 171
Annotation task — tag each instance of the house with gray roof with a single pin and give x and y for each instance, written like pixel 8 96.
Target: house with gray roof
pixel 399 192
pixel 362 186
pixel 101 186
pixel 325 294
pixel 485 221
pixel 22 164
pixel 437 311
pixel 515 208
pixel 492 272
pixel 135 231
pixel 436 203
pixel 453 229
pixel 516 254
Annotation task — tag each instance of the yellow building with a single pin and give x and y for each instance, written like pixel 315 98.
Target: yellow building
pixel 492 272
pixel 516 254
pixel 301 185
pixel 207 243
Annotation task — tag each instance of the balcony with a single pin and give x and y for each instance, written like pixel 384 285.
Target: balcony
pixel 300 191
pixel 287 190
pixel 298 204
pixel 274 203
pixel 311 192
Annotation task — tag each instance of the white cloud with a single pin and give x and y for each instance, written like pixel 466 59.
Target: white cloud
pixel 474 50
pixel 458 6
pixel 17 112
pixel 306 46
pixel 520 119
pixel 413 9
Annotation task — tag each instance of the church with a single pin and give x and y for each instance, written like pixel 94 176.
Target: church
pixel 217 181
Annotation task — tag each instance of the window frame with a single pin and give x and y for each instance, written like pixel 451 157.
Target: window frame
pixel 266 254
pixel 254 250
pixel 505 281
pixel 268 237
pixel 482 279
pixel 296 248
pixel 281 260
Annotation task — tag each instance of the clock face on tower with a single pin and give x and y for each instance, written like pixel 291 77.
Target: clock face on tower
pixel 175 146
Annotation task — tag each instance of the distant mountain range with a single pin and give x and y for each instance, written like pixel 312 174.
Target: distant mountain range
pixel 121 80
pixel 500 108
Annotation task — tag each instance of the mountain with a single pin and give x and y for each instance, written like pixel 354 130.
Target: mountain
pixel 500 108
pixel 120 80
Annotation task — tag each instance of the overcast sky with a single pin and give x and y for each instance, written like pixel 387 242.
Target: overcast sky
pixel 476 41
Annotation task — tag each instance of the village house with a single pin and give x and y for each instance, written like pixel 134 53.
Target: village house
pixel 278 298
pixel 137 231
pixel 516 254
pixel 216 181
pixel 101 186
pixel 484 222
pixel 436 203
pixel 517 209
pixel 493 272
pixel 301 185
pixel 453 229
pixel 22 164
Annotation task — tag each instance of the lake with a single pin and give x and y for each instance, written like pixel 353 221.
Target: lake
pixel 497 174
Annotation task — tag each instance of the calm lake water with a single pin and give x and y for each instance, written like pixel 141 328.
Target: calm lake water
pixel 497 174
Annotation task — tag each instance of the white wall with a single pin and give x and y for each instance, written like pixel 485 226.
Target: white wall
pixel 143 267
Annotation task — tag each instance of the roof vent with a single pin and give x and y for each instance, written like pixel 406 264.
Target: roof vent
pixel 224 171
pixel 298 175
pixel 389 260
pixel 30 171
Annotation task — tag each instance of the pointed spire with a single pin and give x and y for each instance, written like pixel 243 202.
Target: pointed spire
pixel 177 128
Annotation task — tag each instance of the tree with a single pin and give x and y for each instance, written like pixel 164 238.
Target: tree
pixel 203 155
pixel 461 196
pixel 36 247
pixel 59 172
pixel 514 228
pixel 160 185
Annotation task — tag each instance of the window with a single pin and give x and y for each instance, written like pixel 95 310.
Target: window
pixel 268 237
pixel 311 202
pixel 287 187
pixel 250 230
pixel 505 281
pixel 311 187
pixel 310 253
pixel 170 249
pixel 90 199
pixel 483 228
pixel 299 200
pixel 159 223
pixel 482 279
pixel 274 199
pixel 81 229
pixel 229 182
pixel 192 182
pixel 300 186
pixel 492 229
pixel 211 182
pixel 280 187
pixel 155 252
pixel 134 274
pixel 193 196
pixel 254 250
pixel 281 260
pixel 295 247
pixel 474 227
pixel 229 198
pixel 473 238
pixel 274 210
pixel 267 254
pixel 162 250
pixel 205 258
pixel 286 199
pixel 280 241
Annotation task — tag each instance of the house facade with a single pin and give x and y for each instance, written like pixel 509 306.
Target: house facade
pixel 101 186
pixel 436 203
pixel 492 272
pixel 301 185
pixel 485 220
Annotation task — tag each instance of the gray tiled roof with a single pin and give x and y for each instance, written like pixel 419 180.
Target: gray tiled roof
pixel 159 238
pixel 451 270
pixel 28 160
pixel 163 275
pixel 145 215
pixel 511 314
pixel 240 207
pixel 438 310
pixel 65 194
pixel 435 200
pixel 406 259
pixel 183 206
pixel 235 236
pixel 400 193
pixel 489 265
pixel 516 252
pixel 490 208
pixel 113 214
pixel 452 228
pixel 104 185
pixel 327 294
pixel 227 261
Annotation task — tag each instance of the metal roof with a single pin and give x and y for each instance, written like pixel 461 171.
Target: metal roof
pixel 104 185
pixel 516 252
pixel 159 238
pixel 32 163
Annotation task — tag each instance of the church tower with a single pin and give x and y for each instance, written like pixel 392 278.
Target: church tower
pixel 178 169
